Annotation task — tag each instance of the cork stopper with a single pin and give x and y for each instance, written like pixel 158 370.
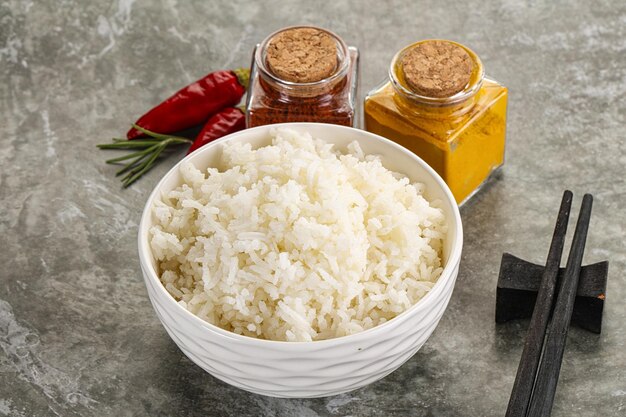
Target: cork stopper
pixel 437 68
pixel 302 55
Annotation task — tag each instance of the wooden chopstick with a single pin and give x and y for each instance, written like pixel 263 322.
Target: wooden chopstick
pixel 550 366
pixel 529 363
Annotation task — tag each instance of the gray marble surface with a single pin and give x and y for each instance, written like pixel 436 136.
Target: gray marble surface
pixel 78 336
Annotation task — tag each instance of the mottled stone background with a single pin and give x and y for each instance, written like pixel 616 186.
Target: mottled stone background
pixel 78 336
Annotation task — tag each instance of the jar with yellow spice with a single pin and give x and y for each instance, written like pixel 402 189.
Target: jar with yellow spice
pixel 438 104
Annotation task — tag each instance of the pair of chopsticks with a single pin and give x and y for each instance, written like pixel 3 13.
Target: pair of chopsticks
pixel 538 372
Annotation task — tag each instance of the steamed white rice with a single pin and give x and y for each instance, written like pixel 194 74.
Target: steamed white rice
pixel 296 241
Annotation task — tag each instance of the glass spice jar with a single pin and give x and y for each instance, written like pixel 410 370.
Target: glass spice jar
pixel 302 74
pixel 438 104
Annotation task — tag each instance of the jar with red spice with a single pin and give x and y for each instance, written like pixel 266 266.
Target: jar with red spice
pixel 302 74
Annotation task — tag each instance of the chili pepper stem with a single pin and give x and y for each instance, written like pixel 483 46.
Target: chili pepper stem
pixel 243 76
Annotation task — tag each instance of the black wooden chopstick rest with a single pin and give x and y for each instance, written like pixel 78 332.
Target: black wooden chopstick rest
pixel 519 281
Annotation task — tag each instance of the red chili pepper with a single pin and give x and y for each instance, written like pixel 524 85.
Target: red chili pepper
pixel 227 121
pixel 195 103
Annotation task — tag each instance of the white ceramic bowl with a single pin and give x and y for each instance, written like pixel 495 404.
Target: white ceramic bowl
pixel 308 369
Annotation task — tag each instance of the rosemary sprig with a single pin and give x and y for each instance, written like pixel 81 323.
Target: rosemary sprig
pixel 129 144
pixel 129 156
pixel 144 159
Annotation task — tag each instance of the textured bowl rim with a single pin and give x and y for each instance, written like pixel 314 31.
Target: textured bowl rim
pixel 447 273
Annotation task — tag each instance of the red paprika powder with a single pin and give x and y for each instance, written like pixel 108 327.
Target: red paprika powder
pixel 303 74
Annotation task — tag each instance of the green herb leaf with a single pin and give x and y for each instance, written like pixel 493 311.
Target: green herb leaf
pixel 144 159
pixel 129 156
pixel 135 174
pixel 156 135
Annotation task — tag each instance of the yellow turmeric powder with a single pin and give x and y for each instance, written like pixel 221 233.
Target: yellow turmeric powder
pixel 461 136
